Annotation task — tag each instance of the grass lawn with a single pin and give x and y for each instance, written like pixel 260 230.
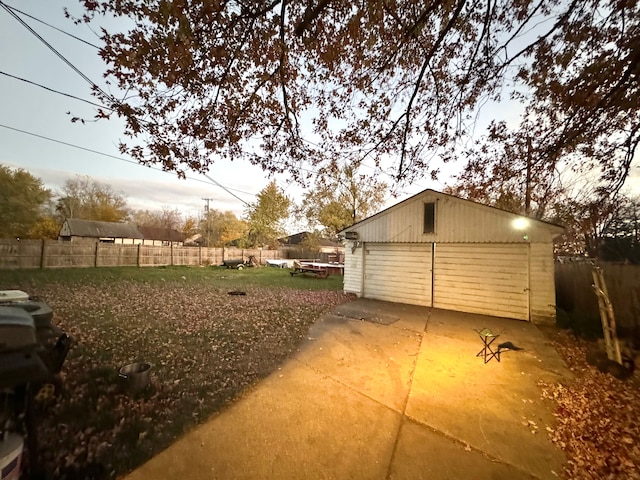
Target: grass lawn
pixel 206 347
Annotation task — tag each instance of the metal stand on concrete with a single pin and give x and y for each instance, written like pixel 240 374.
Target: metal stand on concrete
pixel 487 352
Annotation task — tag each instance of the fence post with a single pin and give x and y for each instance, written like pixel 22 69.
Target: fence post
pixel 171 253
pixel 95 262
pixel 42 254
pixel 138 257
pixel 199 255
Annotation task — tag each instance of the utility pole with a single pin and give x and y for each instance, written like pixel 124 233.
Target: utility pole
pixel 527 193
pixel 208 224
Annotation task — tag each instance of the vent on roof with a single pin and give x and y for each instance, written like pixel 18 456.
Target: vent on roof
pixel 351 235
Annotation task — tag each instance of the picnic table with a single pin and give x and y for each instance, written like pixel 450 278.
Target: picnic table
pixel 319 269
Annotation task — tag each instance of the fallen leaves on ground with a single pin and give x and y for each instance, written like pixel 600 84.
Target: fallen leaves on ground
pixel 598 424
pixel 206 347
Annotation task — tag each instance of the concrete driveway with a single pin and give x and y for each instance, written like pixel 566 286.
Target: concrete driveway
pixel 385 391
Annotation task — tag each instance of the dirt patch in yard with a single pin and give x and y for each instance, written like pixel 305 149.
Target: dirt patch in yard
pixel 206 348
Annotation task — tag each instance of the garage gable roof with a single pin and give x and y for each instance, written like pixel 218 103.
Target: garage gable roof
pixel 161 233
pixel 77 227
pixel 457 220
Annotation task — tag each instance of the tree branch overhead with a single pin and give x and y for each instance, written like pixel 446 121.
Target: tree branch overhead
pixel 209 80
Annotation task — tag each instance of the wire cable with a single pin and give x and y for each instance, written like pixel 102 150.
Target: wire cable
pixel 210 182
pixel 54 91
pixel 49 25
pixel 58 54
pixel 225 189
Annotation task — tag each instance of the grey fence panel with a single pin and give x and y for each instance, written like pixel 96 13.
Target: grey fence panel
pixel 112 255
pixel 20 253
pixel 574 290
pixel 15 254
pixel 68 254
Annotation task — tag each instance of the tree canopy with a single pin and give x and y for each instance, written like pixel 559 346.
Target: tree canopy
pixel 342 198
pixel 219 228
pixel 22 200
pixel 266 216
pixel 167 217
pixel 86 198
pixel 503 171
pixel 289 83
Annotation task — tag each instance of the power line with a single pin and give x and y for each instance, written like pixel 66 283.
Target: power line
pixel 210 182
pixel 11 10
pixel 58 54
pixel 94 86
pixel 49 25
pixel 225 189
pixel 54 91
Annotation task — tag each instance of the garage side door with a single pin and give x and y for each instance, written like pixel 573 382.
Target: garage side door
pixel 490 279
pixel 399 272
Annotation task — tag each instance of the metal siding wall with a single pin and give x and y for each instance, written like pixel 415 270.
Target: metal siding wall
pixel 457 221
pixel 353 269
pixel 398 273
pixel 543 291
pixel 482 278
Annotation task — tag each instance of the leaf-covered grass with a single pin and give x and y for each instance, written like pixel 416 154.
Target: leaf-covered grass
pixel 214 276
pixel 206 347
pixel 598 426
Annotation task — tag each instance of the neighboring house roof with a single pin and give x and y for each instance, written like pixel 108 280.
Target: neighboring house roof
pixel 194 239
pixel 552 226
pixel 76 227
pixel 298 238
pixel 161 233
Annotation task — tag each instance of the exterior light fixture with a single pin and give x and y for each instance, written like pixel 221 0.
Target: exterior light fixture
pixel 520 223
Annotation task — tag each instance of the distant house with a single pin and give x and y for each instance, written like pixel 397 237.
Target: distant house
pixel 161 236
pixel 194 240
pixel 78 230
pixel 298 241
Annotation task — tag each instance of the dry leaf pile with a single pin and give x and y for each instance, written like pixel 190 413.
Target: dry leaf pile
pixel 206 348
pixel 598 418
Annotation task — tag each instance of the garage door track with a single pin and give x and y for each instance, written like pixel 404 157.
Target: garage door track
pixel 386 391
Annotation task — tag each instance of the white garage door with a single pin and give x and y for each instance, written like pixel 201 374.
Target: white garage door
pixel 398 272
pixel 490 279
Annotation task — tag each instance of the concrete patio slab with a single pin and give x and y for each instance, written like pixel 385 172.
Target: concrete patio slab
pixel 409 317
pixel 385 391
pixel 425 454
pixel 496 407
pixel 374 359
pixel 297 424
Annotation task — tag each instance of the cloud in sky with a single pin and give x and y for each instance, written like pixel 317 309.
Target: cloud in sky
pixel 154 191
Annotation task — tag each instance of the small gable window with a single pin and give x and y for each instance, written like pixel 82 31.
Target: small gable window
pixel 429 217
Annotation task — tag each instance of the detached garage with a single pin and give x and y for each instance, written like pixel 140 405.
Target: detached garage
pixel 441 251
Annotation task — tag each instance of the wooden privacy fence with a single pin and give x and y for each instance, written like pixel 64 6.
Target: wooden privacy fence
pixel 54 254
pixel 574 291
